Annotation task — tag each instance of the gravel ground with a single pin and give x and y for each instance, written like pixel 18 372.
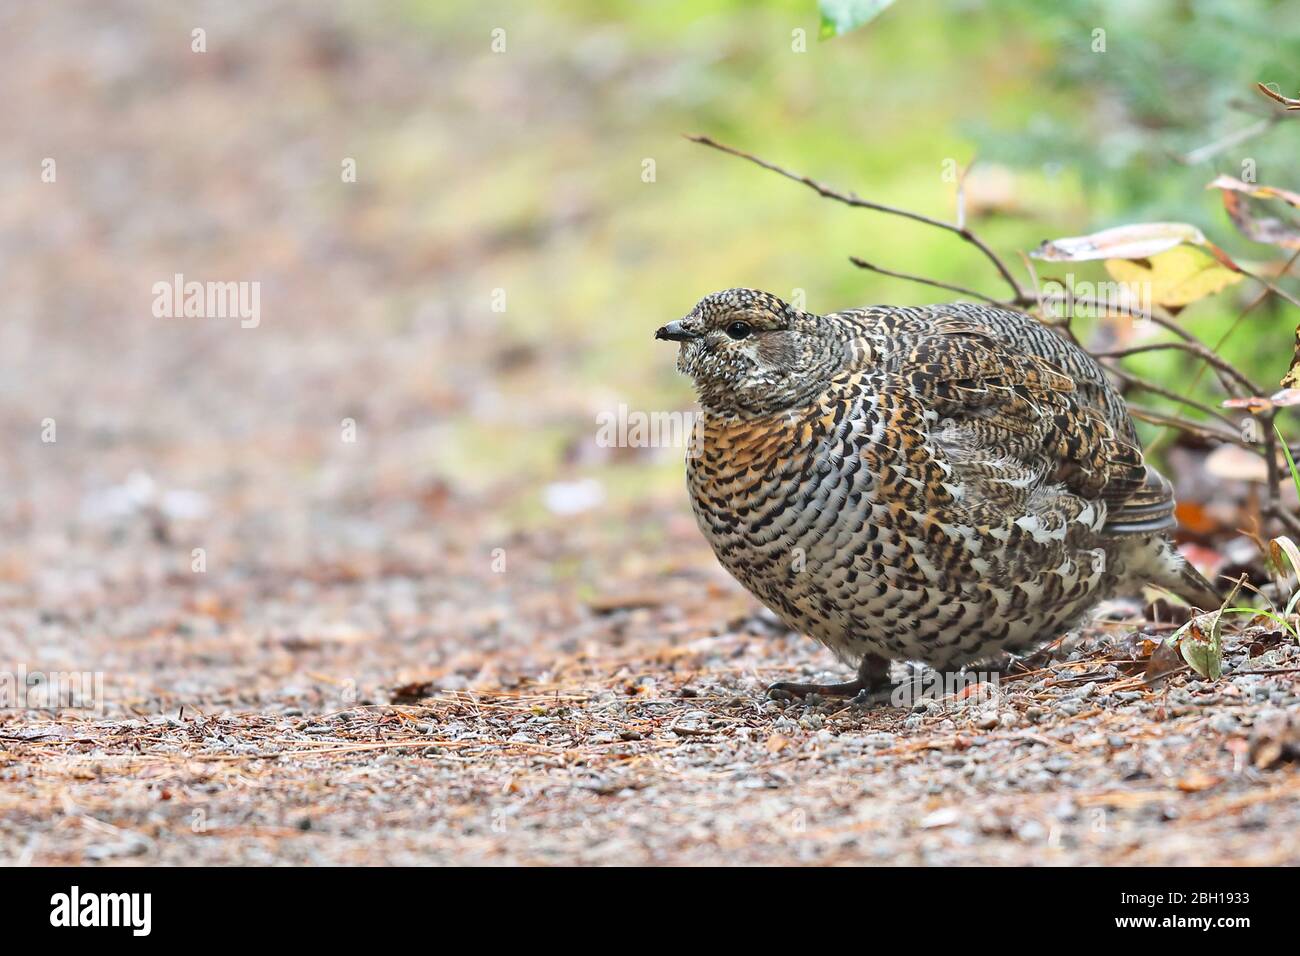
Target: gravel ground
pixel 644 737
pixel 423 646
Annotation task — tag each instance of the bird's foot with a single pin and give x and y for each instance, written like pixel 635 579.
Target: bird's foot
pixel 785 690
pixel 874 696
pixel 872 679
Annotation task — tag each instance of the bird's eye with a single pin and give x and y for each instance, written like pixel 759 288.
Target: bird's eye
pixel 738 330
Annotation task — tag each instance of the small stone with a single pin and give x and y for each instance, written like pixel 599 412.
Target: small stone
pixel 1084 692
pixel 1031 831
pixel 1224 723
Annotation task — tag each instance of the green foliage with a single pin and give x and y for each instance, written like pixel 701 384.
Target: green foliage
pixel 1146 83
pixel 1290 463
pixel 545 144
pixel 841 16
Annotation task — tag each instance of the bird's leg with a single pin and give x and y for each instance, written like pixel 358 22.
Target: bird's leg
pixel 873 674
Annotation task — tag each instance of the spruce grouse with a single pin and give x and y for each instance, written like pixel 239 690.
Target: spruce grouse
pixel 938 484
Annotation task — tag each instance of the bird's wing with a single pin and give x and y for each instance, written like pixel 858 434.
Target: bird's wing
pixel 1008 417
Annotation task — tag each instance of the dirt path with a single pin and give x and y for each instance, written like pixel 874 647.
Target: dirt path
pixel 358 585
pixel 647 740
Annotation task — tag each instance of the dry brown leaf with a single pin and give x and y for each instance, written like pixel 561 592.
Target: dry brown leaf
pixel 1258 403
pixel 776 743
pixel 1292 377
pixel 1244 203
pixel 1198 780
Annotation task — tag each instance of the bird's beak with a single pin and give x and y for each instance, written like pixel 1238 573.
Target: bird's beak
pixel 673 332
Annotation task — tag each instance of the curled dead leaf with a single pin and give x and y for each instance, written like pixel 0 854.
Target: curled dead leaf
pixel 1284 555
pixel 1258 403
pixel 1137 241
pixel 1245 205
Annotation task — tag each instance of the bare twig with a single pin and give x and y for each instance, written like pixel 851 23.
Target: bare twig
pixel 960 290
pixel 1199 429
pixel 1286 101
pixel 1288 519
pixel 1235 382
pixel 1223 339
pixel 1140 383
pixel 1271 504
pixel 1190 346
pixel 1210 150
pixel 1271 287
pixel 851 199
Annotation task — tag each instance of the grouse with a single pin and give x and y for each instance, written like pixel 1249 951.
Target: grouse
pixel 937 484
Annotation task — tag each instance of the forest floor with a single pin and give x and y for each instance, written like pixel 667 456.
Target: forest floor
pixel 359 586
pixel 640 734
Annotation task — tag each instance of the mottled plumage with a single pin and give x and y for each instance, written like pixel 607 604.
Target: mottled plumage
pixel 937 484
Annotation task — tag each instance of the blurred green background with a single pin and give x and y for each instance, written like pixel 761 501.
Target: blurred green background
pixel 1069 140
pixel 518 172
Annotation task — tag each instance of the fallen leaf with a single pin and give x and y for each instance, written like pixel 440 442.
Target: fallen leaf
pixel 609 603
pixel 1163 662
pixel 1200 640
pixel 1197 781
pixel 944 817
pixel 1276 742
pixel 411 693
pixel 776 743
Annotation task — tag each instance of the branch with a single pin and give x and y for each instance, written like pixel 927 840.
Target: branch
pixel 1140 383
pixel 1275 289
pixel 1209 150
pixel 960 290
pixel 1192 347
pixel 1291 522
pixel 851 199
pixel 1270 456
pixel 1199 429
pixel 1234 382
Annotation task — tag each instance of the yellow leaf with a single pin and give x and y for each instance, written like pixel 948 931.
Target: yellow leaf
pixel 1179 276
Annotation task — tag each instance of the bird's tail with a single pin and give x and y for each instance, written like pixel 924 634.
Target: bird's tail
pixel 1175 573
pixel 1196 590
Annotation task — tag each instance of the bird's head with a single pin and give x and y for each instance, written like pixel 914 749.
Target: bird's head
pixel 750 353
